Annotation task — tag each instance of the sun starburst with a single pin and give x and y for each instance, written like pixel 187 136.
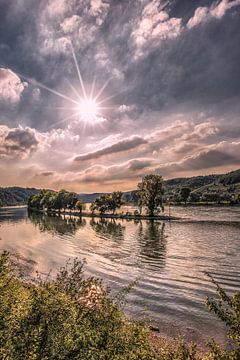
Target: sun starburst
pixel 86 107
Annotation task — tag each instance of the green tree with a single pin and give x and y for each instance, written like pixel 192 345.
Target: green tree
pixel 71 199
pixel 34 202
pixel 101 204
pixel 184 193
pixel 115 201
pixel 47 199
pixel 194 197
pixel 151 193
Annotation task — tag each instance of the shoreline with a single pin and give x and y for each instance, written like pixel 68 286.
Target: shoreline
pixel 107 216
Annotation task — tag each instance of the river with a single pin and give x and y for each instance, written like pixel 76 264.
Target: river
pixel 169 259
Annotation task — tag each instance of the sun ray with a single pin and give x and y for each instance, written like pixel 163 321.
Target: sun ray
pixel 109 97
pixel 87 107
pixel 78 71
pixel 101 90
pixel 92 87
pixel 73 89
pixel 75 114
pixel 37 83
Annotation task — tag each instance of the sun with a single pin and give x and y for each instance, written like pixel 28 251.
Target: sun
pixel 88 107
pixel 88 110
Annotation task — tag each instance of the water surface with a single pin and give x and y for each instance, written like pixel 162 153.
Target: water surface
pixel 169 259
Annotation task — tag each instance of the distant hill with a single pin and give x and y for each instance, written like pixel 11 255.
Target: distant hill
pixel 89 198
pixel 16 195
pixel 202 188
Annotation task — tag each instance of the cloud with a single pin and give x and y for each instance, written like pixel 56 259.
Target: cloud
pixel 120 146
pixel 63 22
pixel 215 156
pixel 154 26
pixel 11 86
pixel 176 87
pixel 17 142
pixel 203 14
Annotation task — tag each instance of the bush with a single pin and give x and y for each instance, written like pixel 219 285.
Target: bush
pixel 227 308
pixel 66 318
pixel 72 317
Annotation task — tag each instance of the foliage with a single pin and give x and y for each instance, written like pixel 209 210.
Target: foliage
pixel 227 308
pixel 151 193
pixel 79 206
pixel 230 178
pixel 53 201
pixel 70 317
pixel 74 317
pixel 184 193
pixel 108 202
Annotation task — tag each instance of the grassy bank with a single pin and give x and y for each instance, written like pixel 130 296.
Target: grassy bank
pixel 74 317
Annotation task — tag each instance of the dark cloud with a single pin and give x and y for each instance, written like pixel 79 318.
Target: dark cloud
pixel 214 156
pixel 18 142
pixel 46 173
pixel 121 146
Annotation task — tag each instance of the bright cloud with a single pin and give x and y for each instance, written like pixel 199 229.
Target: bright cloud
pixel 11 86
pixel 217 10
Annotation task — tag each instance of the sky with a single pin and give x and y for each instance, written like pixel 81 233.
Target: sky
pixel 94 94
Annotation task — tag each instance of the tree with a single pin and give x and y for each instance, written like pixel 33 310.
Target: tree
pixel 184 193
pixel 34 202
pixel 46 199
pixel 71 200
pixel 107 202
pixel 114 201
pixel 194 197
pixel 101 204
pixel 151 193
pixel 79 206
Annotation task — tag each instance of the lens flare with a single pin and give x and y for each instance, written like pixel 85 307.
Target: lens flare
pixel 86 106
pixel 88 110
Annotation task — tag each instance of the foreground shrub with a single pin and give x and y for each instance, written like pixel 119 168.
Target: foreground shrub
pixel 66 318
pixel 72 317
pixel 227 308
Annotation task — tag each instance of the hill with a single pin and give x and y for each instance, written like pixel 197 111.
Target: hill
pixel 16 195
pixel 208 188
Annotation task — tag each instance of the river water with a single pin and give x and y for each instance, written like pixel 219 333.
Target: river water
pixel 169 259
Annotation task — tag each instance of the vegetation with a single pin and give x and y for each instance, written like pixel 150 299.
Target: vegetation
pixel 74 317
pixel 16 195
pixel 55 201
pixel 67 318
pixel 209 189
pixel 108 203
pixel 150 193
pixel 227 308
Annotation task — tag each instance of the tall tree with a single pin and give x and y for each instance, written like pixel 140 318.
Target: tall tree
pixel 184 193
pixel 151 193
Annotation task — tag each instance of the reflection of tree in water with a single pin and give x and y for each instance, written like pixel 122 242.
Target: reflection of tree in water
pixel 108 228
pixel 57 224
pixel 153 242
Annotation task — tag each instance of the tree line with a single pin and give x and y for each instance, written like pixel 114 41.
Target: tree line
pixel 149 196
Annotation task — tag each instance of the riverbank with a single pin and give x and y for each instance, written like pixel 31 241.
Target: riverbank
pixel 106 216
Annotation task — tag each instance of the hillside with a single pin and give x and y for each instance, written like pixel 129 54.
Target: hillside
pixel 16 195
pixel 209 188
